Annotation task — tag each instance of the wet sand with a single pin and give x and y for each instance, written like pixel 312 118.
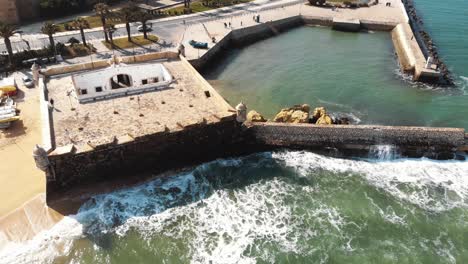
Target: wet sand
pixel 23 211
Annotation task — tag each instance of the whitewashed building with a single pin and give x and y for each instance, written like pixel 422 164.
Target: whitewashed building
pixel 120 80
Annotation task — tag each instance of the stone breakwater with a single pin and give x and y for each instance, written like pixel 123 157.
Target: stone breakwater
pixel 425 42
pixel 436 143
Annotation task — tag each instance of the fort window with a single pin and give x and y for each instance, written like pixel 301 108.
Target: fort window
pixel 144 81
pixel 98 89
pixel 121 81
pixel 84 91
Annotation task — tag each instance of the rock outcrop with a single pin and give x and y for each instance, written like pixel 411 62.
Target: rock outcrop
pixel 295 114
pixel 321 116
pixel 254 116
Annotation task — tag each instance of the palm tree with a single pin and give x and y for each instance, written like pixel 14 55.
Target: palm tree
pixel 110 29
pixel 143 18
pixel 102 10
pixel 187 4
pixel 127 15
pixel 49 28
pixel 7 31
pixel 81 23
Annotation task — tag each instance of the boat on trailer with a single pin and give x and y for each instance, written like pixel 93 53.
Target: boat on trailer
pixel 8 112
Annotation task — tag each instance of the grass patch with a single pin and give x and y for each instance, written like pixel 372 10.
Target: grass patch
pixel 137 41
pixel 199 6
pixel 94 22
pixel 77 50
pixel 202 6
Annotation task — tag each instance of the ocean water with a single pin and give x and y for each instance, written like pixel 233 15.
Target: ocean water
pixel 297 206
pixel 348 73
pixel 281 207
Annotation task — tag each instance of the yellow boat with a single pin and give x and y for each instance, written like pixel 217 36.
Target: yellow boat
pixel 10 119
pixel 8 86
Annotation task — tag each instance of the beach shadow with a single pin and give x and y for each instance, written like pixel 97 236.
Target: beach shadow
pixel 17 129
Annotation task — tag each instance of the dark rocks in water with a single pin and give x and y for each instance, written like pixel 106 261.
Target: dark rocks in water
pixel 431 49
pixel 342 121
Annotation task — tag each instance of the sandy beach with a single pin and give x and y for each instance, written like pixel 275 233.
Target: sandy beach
pixel 23 211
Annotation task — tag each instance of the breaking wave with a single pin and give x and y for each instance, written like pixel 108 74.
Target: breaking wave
pixel 241 210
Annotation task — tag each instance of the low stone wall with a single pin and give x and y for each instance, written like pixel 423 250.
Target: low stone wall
pixel 318 21
pixel 403 48
pixel 99 64
pixel 412 141
pixel 377 26
pixel 46 117
pixel 212 53
pixel 245 36
pixel 353 25
pixel 248 35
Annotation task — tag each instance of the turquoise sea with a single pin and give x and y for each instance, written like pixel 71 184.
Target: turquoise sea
pixel 298 206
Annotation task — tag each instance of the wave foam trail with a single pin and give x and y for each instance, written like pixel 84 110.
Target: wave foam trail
pixel 432 185
pixel 224 212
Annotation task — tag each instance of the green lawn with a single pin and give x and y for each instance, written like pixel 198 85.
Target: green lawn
pixel 95 21
pixel 199 7
pixel 137 41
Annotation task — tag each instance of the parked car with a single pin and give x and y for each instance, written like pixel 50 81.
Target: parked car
pixel 28 82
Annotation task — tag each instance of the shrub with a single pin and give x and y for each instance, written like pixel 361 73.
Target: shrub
pixel 73 41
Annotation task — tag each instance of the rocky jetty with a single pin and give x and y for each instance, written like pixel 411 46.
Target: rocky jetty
pixel 428 46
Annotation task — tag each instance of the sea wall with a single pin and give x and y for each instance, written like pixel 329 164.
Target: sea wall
pixel 172 148
pixel 439 143
pixel 245 36
pixel 249 35
pixel 377 25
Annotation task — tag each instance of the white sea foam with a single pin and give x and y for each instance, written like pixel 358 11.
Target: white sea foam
pixel 45 246
pixel 224 225
pixel 449 177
